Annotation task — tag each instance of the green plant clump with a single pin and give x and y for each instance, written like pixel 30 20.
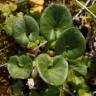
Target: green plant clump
pixel 56 27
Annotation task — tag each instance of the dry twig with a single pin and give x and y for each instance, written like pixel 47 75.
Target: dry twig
pixel 84 7
pixel 3 65
pixel 86 4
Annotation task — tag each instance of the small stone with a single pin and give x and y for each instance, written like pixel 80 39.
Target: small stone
pixel 30 83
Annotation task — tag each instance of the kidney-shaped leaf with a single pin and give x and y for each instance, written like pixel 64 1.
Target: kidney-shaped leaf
pixel 20 67
pixel 71 42
pixel 52 70
pixel 25 29
pixel 54 20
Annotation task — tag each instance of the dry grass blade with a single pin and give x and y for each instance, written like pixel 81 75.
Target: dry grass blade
pixel 80 4
pixel 86 4
pixel 3 65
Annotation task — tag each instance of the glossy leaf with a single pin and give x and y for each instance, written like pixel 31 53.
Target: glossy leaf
pixel 52 70
pixel 71 42
pixel 54 20
pixel 20 67
pixel 25 29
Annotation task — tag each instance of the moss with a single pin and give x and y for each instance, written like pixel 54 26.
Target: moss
pixel 7 47
pixel 5 88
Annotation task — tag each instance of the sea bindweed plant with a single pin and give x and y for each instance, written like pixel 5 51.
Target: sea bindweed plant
pixel 55 26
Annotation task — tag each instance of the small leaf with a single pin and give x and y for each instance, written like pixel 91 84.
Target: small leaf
pixel 19 31
pixel 83 92
pixel 71 42
pixel 75 79
pixel 80 65
pixel 52 70
pixel 12 6
pixel 54 20
pixel 7 9
pixel 9 24
pixel 20 67
pixel 25 29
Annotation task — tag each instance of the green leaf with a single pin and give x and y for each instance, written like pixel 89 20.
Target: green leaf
pixel 9 24
pixel 74 79
pixel 80 68
pixel 54 20
pixel 19 31
pixel 80 65
pixel 71 43
pixel 83 92
pixel 31 27
pixel 52 70
pixel 20 67
pixel 25 29
pixel 12 6
pixel 7 9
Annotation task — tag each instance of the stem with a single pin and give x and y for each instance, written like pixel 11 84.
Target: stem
pixel 66 89
pixel 86 4
pixel 86 8
pixel 40 45
pixel 61 91
pixel 3 65
pixel 93 2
